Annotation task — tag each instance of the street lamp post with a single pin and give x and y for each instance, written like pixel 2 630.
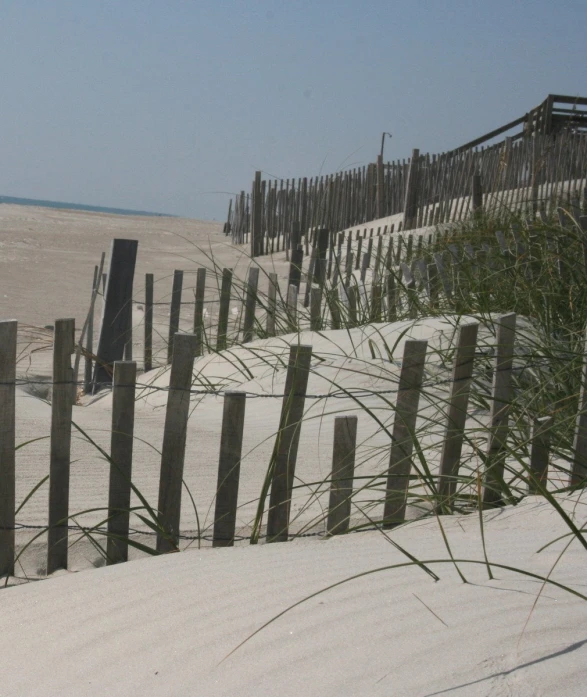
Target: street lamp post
pixel 383 141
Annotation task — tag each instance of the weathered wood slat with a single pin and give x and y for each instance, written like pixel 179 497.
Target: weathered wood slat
pixel 231 442
pixel 8 337
pixel 456 415
pixel 343 471
pixel 121 451
pixel 404 432
pixel 174 440
pixel 286 445
pixel 61 409
pixel 501 397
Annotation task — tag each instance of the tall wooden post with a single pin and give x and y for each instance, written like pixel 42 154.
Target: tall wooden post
pixel 117 315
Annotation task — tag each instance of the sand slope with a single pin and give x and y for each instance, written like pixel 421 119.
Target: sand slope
pixel 162 626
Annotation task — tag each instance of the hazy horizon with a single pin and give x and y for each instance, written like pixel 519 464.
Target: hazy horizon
pixel 167 106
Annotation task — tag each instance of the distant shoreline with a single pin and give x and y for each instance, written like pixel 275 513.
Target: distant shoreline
pixel 79 207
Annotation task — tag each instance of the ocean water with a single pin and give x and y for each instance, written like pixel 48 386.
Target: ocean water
pixel 76 206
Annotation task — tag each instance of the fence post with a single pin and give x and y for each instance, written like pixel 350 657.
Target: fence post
pixel 292 307
pixel 286 445
pixel 199 295
pixel 432 284
pixel 410 285
pixel 391 298
pixel 538 475
pixel 322 237
pixel 315 309
pixel 250 302
pixel 310 275
pixel 223 309
pixel 8 335
pixel 174 440
pixel 61 408
pixel 456 417
pixel 380 190
pixel 579 467
pixel 231 443
pixel 351 294
pixel 90 337
pixel 121 447
pixel 411 199
pixel 271 304
pixel 117 314
pixel 257 218
pixel 403 434
pixel 343 471
pixel 175 311
pixel 295 267
pixel 501 395
pixel 476 194
pixel 148 347
pixel 333 306
pixel 376 294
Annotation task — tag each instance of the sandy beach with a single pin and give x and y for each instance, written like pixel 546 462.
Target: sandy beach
pixel 168 625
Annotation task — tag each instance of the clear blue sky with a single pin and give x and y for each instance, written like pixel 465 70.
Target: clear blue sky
pixel 150 104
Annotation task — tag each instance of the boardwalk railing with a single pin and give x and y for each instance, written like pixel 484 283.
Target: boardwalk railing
pixel 544 161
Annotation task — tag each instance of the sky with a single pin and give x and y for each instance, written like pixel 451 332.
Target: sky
pixel 170 106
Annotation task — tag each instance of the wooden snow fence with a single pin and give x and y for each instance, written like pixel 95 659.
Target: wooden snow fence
pixel 544 162
pixel 166 516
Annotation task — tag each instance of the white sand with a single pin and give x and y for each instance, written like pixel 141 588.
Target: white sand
pixel 160 626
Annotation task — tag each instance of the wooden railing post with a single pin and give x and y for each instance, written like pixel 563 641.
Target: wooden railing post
pixel 286 445
pixel 61 409
pixel 121 448
pixel 174 440
pixel 343 471
pixel 403 434
pixel 231 442
pixel 8 335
